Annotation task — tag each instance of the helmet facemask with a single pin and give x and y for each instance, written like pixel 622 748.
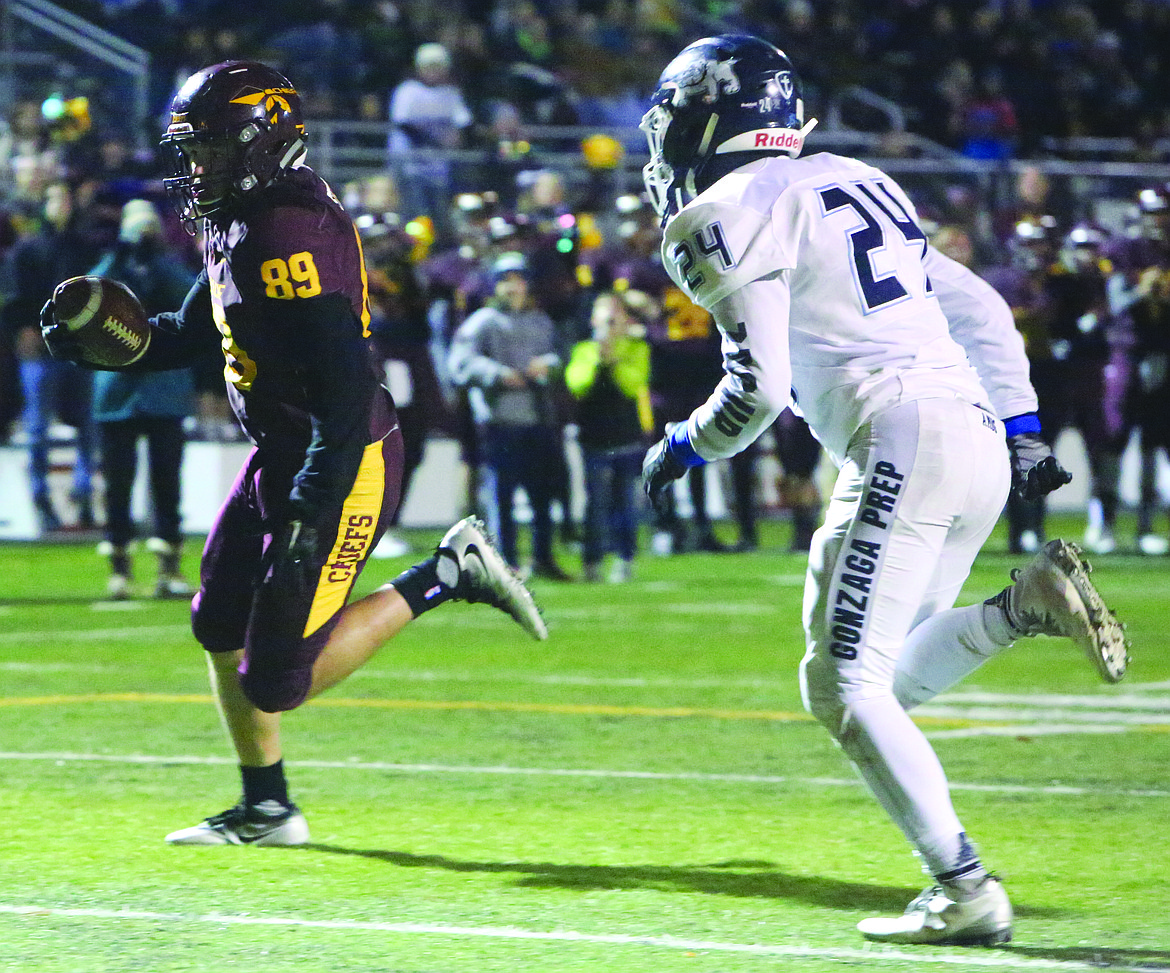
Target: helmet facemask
pixel 657 174
pixel 205 170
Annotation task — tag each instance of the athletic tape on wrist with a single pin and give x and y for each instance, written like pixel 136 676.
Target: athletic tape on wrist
pixel 1029 422
pixel 681 448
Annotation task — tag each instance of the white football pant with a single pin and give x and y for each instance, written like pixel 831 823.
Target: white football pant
pixel 921 489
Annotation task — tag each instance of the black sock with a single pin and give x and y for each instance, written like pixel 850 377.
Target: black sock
pixel 265 784
pixel 429 584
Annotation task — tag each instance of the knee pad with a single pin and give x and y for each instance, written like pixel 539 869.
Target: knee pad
pixel 210 629
pixel 822 702
pixel 829 711
pixel 276 692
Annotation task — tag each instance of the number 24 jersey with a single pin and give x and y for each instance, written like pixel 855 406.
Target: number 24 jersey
pixel 824 257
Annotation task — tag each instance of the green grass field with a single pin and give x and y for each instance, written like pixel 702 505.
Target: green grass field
pixel 642 793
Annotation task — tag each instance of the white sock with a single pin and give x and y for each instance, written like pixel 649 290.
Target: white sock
pixel 958 868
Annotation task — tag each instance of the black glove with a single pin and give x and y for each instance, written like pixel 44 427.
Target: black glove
pixel 294 564
pixel 660 468
pixel 1035 471
pixel 60 341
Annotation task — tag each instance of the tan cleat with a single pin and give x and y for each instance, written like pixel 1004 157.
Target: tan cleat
pixel 1053 595
pixel 484 576
pixel 936 919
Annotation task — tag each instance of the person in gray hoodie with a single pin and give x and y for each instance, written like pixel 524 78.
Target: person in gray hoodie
pixel 506 356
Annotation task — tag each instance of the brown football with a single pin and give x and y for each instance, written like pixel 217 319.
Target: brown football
pixel 105 317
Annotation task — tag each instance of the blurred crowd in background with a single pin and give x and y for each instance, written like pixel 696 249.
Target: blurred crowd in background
pixel 965 73
pixel 998 83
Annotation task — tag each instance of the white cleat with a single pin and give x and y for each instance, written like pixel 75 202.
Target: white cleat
pixel 118 588
pixel 936 919
pixel 268 823
pixel 1100 539
pixel 1053 595
pixel 620 571
pixel 1153 546
pixel 172 586
pixel 484 576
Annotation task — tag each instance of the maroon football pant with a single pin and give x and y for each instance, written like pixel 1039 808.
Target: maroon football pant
pixel 282 631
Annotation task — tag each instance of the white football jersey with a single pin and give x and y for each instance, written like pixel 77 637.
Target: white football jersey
pixel 822 283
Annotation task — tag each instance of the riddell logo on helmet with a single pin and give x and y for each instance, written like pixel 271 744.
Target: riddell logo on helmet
pixel 783 140
pixel 763 139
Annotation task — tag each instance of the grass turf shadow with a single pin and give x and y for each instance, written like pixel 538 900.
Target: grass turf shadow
pixel 739 878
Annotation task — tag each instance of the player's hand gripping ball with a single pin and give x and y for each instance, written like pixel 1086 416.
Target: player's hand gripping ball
pixel 95 321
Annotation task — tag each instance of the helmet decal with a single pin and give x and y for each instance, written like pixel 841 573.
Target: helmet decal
pixel 275 101
pixel 705 80
pixel 762 139
pixel 785 83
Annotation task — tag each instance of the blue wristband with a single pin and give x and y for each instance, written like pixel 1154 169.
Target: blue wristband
pixel 1018 425
pixel 681 448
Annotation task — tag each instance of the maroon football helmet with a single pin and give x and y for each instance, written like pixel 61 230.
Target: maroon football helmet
pixel 235 127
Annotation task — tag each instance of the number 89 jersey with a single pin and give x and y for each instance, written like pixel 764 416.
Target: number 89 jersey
pixel 835 243
pixel 289 298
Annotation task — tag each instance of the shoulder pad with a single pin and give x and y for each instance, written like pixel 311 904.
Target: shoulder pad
pixel 716 246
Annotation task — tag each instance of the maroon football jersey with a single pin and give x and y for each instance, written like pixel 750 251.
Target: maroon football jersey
pixel 285 282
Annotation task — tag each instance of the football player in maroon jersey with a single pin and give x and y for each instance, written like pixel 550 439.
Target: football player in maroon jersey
pixel 1139 291
pixel 283 292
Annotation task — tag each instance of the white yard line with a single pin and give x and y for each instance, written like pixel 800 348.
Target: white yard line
pixel 1024 714
pixel 1027 730
pixel 41 639
pixel 587 772
pixel 996 959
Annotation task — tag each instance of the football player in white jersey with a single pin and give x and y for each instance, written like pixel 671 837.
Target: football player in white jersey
pixel 909 371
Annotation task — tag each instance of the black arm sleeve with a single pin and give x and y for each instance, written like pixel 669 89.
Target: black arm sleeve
pixel 340 384
pixel 183 337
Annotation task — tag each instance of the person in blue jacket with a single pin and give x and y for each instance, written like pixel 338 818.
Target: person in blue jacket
pixel 129 406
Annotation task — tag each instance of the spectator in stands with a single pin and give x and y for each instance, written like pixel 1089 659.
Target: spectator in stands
pixel 427 112
pixel 549 235
pixel 129 406
pixel 1111 92
pixel 29 159
pixel 1086 68
pixel 506 355
pixel 684 363
pixel 401 334
pixel 10 400
pixel 1033 201
pixel 987 124
pixel 609 376
pixel 521 33
pixel 955 242
pixel 50 389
